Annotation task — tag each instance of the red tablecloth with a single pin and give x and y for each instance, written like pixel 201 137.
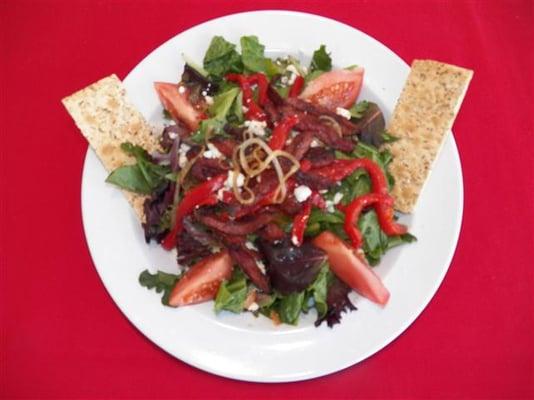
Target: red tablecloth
pixel 62 335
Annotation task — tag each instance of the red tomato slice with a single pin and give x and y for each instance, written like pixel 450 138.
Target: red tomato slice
pixel 202 281
pixel 339 88
pixel 351 269
pixel 178 105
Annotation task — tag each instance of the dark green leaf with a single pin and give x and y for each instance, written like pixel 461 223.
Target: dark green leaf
pixel 160 281
pixel 222 57
pixel 130 177
pixel 321 60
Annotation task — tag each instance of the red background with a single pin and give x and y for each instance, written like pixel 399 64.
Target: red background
pixel 61 334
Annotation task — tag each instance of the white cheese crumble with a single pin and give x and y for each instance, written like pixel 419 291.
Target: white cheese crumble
pixel 240 180
pixel 209 100
pixel 261 266
pixel 220 193
pixel 337 197
pixel 294 240
pixel 245 109
pixel 253 307
pixel 302 193
pixel 315 143
pixel 182 154
pixel 173 135
pixel 181 89
pixel 212 152
pixel 204 93
pixel 330 206
pixel 343 112
pixel 284 80
pixel 291 68
pixel 250 246
pixel 256 128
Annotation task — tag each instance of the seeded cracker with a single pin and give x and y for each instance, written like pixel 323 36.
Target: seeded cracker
pixel 106 119
pixel 424 114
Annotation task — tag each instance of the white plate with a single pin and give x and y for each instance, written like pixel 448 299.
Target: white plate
pixel 241 346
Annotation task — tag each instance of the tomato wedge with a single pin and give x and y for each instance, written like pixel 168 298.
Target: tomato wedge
pixel 339 88
pixel 178 105
pixel 202 281
pixel 351 269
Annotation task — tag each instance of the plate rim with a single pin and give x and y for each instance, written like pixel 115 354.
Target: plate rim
pixel 407 323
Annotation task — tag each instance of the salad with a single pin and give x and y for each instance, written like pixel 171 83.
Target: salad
pixel 272 184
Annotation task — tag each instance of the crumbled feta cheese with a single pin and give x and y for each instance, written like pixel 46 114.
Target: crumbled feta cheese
pixel 304 70
pixel 181 89
pixel 291 68
pixel 337 197
pixel 256 128
pixel 245 109
pixel 253 307
pixel 250 246
pixel 302 193
pixel 212 152
pixel 182 154
pixel 323 191
pixel 240 180
pixel 292 79
pixel 294 240
pixel 220 194
pixel 172 135
pixel 343 112
pixel 284 80
pixel 315 143
pixel 261 266
pixel 204 93
pixel 209 100
pixel 330 206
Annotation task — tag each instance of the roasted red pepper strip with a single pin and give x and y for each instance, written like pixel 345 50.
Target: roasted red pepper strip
pixel 305 165
pixel 281 131
pixel 299 223
pixel 263 85
pixel 253 110
pixel 353 211
pixel 201 195
pixel 296 88
pixel 338 170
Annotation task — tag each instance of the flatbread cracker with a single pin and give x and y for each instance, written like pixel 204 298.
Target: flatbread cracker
pixel 106 119
pixel 423 116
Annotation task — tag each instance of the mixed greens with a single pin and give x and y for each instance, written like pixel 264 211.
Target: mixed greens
pixel 271 183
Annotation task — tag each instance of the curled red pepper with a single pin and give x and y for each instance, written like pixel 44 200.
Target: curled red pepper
pixel 296 88
pixel 338 170
pixel 379 197
pixel 201 195
pixel 353 211
pixel 245 82
pixel 281 131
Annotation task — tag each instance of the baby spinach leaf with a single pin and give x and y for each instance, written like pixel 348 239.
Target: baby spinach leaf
pixel 321 60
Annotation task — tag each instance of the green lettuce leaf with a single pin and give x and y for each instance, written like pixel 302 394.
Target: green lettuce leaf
pixel 143 177
pixel 290 307
pixel 357 110
pixel 222 103
pixel 232 293
pixel 221 58
pixel 252 54
pixel 160 281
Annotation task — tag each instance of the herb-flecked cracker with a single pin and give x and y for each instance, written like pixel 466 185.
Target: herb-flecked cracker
pixel 424 114
pixel 106 119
